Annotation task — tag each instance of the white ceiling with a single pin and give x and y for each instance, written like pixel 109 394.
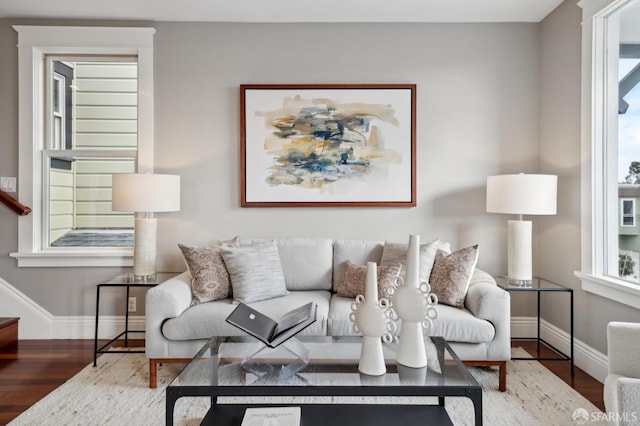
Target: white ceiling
pixel 285 10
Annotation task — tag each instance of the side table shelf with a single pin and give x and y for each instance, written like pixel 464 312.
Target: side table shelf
pixel 540 285
pixel 126 281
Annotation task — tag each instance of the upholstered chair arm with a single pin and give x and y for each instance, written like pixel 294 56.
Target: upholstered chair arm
pixel 623 342
pixel 622 399
pixel 167 300
pixel 629 399
pixel 487 301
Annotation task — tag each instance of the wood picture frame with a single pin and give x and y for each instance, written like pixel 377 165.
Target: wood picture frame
pixel 328 145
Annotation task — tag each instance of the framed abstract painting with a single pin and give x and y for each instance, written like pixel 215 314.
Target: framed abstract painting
pixel 325 145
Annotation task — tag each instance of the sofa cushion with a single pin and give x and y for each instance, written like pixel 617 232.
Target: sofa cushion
pixel 455 325
pixel 354 279
pixel 460 325
pixel 397 253
pixel 208 319
pixel 451 275
pixel 357 251
pixel 255 271
pixel 209 276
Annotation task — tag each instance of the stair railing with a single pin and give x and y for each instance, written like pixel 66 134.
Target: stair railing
pixel 14 205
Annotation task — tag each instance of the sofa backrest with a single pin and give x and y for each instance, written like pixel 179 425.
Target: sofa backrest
pixel 357 251
pixel 318 263
pixel 307 263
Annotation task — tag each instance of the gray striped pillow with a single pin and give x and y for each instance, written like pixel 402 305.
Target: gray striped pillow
pixel 255 271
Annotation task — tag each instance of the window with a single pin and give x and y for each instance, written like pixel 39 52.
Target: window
pixel 96 112
pixel 58 111
pixel 611 123
pixel 92 117
pixel 627 212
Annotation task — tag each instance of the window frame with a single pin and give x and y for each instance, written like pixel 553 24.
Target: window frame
pixel 632 215
pixel 598 173
pixel 58 134
pixel 35 43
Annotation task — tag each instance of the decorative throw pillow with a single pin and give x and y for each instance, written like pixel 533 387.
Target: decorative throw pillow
pixel 255 271
pixel 397 253
pixel 209 277
pixel 354 279
pixel 451 275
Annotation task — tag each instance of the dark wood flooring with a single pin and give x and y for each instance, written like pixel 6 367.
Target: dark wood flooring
pixel 34 368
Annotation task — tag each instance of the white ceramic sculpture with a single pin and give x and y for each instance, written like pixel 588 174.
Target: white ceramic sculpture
pixel 372 318
pixel 414 304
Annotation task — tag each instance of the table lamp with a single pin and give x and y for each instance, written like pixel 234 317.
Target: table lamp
pixel 521 194
pixel 145 194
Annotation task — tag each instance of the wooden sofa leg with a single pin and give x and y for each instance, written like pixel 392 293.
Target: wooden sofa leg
pixel 153 368
pixel 153 373
pixel 502 370
pixel 502 376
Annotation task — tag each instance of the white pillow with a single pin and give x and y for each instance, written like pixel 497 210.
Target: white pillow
pixel 255 271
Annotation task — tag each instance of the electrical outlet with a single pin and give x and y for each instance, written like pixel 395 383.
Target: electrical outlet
pixel 132 304
pixel 8 184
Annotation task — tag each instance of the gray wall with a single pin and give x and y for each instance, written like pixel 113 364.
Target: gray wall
pixel 468 127
pixel 559 236
pixel 483 91
pixel 477 113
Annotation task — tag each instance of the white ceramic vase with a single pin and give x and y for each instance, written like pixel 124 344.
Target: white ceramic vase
pixel 372 318
pixel 414 304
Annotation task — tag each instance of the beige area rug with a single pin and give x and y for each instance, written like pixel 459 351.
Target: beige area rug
pixel 116 393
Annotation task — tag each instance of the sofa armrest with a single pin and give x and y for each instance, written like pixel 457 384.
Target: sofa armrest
pixel 166 300
pixel 487 301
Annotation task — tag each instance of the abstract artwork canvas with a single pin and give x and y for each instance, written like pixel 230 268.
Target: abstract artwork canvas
pixel 328 145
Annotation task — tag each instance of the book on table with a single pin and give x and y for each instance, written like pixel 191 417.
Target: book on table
pixel 272 416
pixel 269 331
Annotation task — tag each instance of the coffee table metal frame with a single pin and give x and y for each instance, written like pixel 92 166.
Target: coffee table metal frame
pixel 335 414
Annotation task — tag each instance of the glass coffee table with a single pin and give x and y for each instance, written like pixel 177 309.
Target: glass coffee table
pixel 220 369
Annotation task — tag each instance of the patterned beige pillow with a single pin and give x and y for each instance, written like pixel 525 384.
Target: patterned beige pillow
pixel 354 279
pixel 397 253
pixel 451 275
pixel 210 279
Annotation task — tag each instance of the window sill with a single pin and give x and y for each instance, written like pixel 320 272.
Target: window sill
pixel 611 288
pixel 54 259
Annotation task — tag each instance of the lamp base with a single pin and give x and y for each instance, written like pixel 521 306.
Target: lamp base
pixel 145 278
pixel 514 282
pixel 519 267
pixel 144 250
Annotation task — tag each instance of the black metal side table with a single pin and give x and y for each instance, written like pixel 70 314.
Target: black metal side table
pixel 541 285
pixel 127 281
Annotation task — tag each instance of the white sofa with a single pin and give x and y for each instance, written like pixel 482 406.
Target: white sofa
pixel 479 333
pixel 622 385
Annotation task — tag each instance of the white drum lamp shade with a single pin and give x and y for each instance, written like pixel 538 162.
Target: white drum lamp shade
pixel 521 194
pixel 145 194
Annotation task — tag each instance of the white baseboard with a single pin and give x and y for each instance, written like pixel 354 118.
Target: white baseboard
pixel 38 323
pixel 83 327
pixel 586 358
pixel 35 321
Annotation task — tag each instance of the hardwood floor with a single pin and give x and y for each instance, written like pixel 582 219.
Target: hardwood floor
pixel 34 368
